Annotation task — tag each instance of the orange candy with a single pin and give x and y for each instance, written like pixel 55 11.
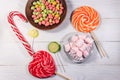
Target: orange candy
pixel 84 19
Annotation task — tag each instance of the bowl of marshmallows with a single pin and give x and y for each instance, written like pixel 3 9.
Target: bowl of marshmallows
pixel 77 47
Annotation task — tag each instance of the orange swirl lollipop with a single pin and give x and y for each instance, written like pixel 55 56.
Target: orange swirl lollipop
pixel 84 19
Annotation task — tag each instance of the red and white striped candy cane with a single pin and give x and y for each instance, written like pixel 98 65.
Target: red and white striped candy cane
pixel 18 34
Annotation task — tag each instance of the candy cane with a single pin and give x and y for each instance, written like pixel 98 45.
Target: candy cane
pixel 42 65
pixel 16 31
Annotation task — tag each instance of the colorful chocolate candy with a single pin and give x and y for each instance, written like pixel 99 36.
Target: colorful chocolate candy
pixel 46 12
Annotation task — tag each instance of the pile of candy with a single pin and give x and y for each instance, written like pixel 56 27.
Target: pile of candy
pixel 78 47
pixel 47 12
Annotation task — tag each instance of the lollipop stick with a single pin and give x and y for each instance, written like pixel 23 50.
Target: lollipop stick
pixel 98 45
pixel 32 43
pixel 58 62
pixel 61 62
pixel 62 76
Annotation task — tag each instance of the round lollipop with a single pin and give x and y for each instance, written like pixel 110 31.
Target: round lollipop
pixel 42 65
pixel 33 33
pixel 86 19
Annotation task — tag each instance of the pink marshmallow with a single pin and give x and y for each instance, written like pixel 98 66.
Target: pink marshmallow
pixel 79 53
pixel 79 43
pixel 75 48
pixel 82 37
pixel 74 38
pixel 89 40
pixel 72 44
pixel 81 58
pixel 67 47
pixel 83 47
pixel 72 51
pixel 85 53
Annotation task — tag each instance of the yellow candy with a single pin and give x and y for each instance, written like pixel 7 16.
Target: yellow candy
pixel 36 6
pixel 56 15
pixel 33 33
pixel 54 3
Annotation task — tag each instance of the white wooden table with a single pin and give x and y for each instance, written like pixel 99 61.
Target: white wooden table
pixel 14 58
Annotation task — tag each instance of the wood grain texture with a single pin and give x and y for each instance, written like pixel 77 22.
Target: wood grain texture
pixel 14 58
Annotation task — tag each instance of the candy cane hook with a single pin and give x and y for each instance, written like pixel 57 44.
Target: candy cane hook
pixel 16 31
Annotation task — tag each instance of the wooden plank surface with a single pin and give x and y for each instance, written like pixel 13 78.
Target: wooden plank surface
pixel 14 58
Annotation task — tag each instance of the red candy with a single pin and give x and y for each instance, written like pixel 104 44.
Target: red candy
pixel 42 65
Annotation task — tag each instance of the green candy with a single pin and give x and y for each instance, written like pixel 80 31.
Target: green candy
pixel 32 8
pixel 36 21
pixel 34 13
pixel 45 11
pixel 44 15
pixel 49 1
pixel 34 3
pixel 52 0
pixel 38 2
pixel 50 11
pixel 42 7
pixel 43 18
